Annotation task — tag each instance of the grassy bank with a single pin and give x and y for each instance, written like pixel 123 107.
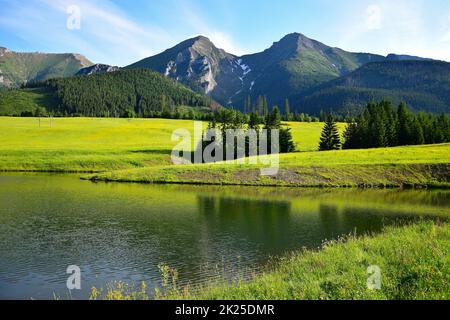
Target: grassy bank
pixel 96 145
pixel 138 150
pixel 415 166
pixel 413 260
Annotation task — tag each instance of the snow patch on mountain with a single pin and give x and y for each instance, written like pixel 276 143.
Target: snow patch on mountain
pixel 245 68
pixel 170 67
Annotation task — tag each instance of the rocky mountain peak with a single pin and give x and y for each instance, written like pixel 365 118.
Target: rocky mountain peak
pixel 295 63
pixel 97 68
pixel 82 59
pixel 295 41
pixel 202 39
pixel 4 50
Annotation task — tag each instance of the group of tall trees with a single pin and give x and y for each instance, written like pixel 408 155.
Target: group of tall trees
pixel 261 108
pixel 129 93
pixel 381 125
pixel 229 119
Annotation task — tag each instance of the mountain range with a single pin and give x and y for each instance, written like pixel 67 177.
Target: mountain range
pixel 312 75
pixel 292 65
pixel 17 68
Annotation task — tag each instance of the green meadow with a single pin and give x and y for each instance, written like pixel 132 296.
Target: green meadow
pixel 97 144
pixel 138 150
pixel 85 144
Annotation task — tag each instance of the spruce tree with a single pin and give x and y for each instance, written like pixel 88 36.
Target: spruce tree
pixel 330 139
pixel 352 137
pixel 273 120
pixel 427 127
pixel 287 144
pixel 390 123
pixel 287 109
pixel 265 106
pixel 378 130
pixel 260 106
pixel 442 128
pixel 404 125
pixel 254 121
pixel 417 137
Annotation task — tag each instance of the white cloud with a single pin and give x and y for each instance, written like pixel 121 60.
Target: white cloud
pixel 221 39
pixel 390 27
pixel 110 25
pixel 224 41
pixel 446 27
pixel 374 17
pixel 106 35
pixel 445 37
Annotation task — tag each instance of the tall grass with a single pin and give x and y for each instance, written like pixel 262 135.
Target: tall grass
pixel 413 260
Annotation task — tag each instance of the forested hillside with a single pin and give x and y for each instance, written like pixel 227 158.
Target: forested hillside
pixel 423 85
pixel 116 94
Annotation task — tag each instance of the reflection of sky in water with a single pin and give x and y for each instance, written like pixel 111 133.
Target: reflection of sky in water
pixel 123 231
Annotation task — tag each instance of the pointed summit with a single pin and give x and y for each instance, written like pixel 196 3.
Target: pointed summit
pixel 201 39
pixel 294 42
pixel 294 64
pixel 294 37
pixel 195 62
pixel 191 42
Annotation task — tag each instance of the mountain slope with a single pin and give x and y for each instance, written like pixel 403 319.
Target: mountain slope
pixel 423 85
pixel 121 93
pixel 293 64
pixel 17 68
pixel 199 64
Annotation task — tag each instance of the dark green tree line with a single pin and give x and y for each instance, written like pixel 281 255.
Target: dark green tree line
pixel 381 125
pixel 224 119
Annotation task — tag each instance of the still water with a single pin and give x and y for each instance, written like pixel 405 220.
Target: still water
pixel 124 231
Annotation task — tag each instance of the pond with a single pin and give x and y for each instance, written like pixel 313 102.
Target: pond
pixel 122 232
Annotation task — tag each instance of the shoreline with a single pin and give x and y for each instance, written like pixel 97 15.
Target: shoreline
pixel 401 176
pixel 396 176
pixel 414 252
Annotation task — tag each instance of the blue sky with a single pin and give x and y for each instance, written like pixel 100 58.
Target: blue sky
pixel 120 32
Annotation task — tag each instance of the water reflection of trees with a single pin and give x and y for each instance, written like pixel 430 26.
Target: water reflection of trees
pixel 263 222
pixel 330 220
